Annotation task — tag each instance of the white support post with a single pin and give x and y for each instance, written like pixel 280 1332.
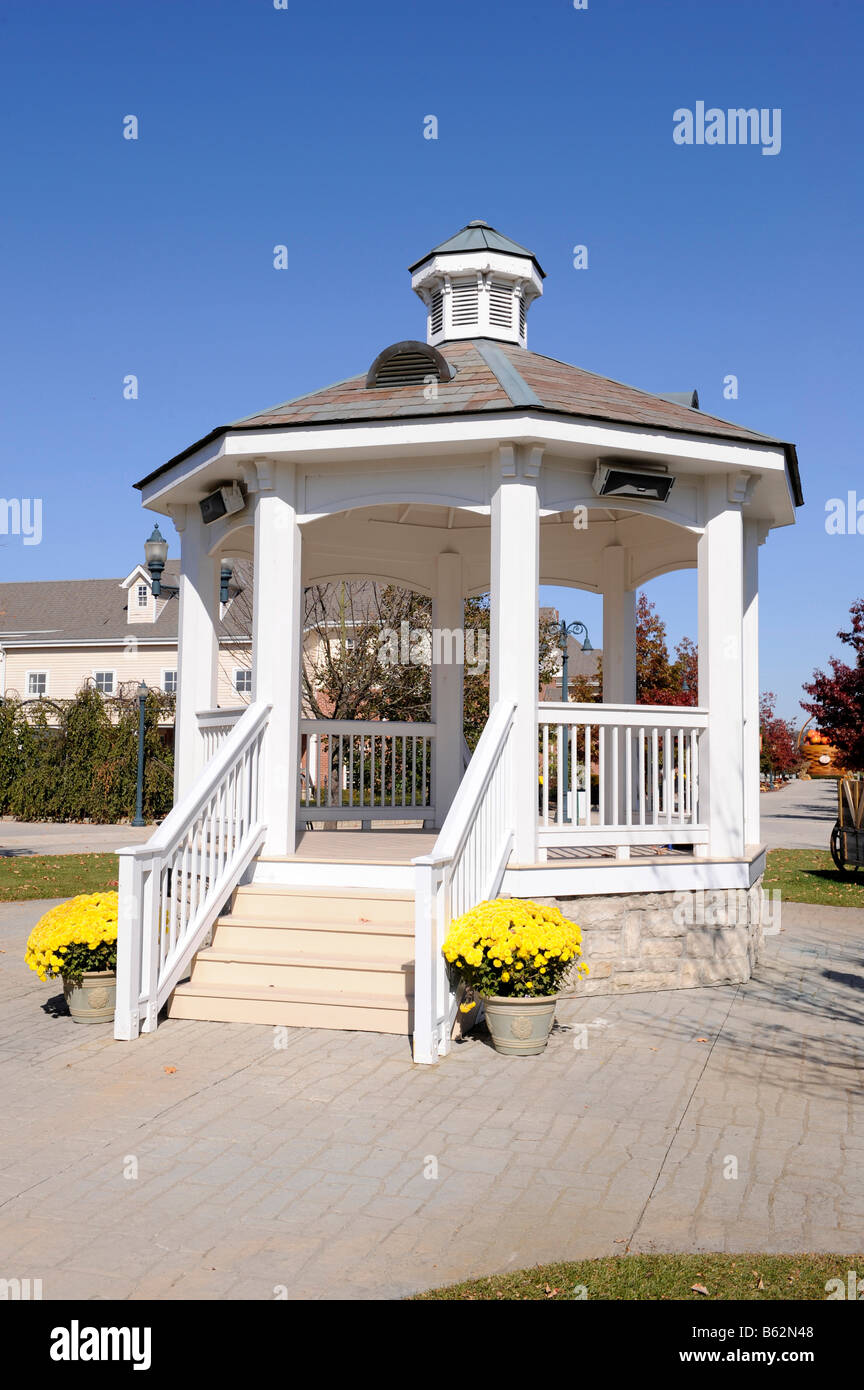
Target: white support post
pixel 448 658
pixel 514 617
pixel 721 593
pixel 750 637
pixel 619 662
pixel 619 628
pixel 277 628
pixel 197 645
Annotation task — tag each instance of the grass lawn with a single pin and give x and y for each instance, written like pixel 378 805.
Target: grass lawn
pixel 55 875
pixel 659 1277
pixel 809 876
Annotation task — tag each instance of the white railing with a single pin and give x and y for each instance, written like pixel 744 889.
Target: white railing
pixel 465 867
pixel 621 774
pixel 215 725
pixel 353 769
pixel 172 888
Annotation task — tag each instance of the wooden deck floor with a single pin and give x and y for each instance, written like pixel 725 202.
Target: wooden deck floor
pixel 363 846
pixel 400 845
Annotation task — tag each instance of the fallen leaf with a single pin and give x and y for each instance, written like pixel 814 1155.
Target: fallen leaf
pixel 698 1288
pixel 701 1039
pixel 761 1283
pixel 169 1070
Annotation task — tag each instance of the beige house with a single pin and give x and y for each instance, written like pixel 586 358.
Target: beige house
pixel 58 635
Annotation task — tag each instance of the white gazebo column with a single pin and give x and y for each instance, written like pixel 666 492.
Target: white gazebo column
pixel 197 645
pixel 750 675
pixel 721 592
pixel 619 628
pixel 448 655
pixel 619 664
pixel 277 627
pixel 514 618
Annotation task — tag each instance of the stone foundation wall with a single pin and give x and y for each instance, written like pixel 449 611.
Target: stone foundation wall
pixel 645 941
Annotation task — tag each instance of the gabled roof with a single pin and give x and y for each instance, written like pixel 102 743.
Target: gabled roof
pixel 478 236
pixel 54 611
pixel 496 377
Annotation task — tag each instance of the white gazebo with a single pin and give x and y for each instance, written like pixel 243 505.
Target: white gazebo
pixel 455 466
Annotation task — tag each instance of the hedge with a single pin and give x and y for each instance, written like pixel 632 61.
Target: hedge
pixel 76 760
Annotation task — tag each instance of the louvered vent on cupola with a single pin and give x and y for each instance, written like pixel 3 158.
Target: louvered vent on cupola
pixel 408 364
pixel 501 304
pixel 436 311
pixel 465 311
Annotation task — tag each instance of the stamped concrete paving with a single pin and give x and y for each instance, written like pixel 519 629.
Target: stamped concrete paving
pixel 309 1168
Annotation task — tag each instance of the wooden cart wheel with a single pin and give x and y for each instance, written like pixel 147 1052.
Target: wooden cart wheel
pixel 850 871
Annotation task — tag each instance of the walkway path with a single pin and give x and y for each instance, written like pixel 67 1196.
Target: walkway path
pixel 799 815
pixel 221 1160
pixel 56 837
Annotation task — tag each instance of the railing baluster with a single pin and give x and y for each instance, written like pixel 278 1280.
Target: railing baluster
pixel 655 777
pixel 641 775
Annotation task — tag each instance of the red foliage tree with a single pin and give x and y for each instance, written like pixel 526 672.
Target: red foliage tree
pixel 660 681
pixel 837 700
pixel 778 738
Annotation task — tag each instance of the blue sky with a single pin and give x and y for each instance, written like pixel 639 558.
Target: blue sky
pixel 304 126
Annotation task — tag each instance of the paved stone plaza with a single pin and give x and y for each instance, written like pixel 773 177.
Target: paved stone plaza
pixel 307 1168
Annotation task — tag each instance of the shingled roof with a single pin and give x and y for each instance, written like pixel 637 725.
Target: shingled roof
pixel 53 611
pixel 495 377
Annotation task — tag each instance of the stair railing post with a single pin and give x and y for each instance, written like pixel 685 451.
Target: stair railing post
pixel 427 876
pixel 127 1017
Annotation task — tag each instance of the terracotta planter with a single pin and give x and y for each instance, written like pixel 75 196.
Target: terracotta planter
pixel 93 1000
pixel 520 1027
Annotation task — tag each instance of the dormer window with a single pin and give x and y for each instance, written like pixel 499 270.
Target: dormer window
pixel 408 364
pixel 143 593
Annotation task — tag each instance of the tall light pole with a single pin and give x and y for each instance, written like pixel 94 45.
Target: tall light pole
pixel 139 787
pixel 564 633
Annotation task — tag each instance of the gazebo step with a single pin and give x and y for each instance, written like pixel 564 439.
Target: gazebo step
pixel 279 903
pixel 386 942
pixel 345 976
pixel 293 1008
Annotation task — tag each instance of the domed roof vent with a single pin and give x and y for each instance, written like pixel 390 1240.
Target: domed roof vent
pixel 478 284
pixel 408 364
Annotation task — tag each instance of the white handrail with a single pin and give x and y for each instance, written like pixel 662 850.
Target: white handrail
pixel 214 726
pixel 646 760
pixel 366 770
pixel 465 867
pixel 172 888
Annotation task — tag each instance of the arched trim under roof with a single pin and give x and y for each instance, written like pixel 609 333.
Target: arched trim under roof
pixel 408 363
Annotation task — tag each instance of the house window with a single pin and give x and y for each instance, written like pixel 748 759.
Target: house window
pixel 104 682
pixel 143 595
pixel 37 682
pixel 243 680
pixel 169 682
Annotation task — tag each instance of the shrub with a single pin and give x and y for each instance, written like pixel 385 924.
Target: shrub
pixel 73 760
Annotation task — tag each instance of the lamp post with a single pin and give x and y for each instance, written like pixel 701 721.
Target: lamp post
pixel 139 788
pixel 565 632
pixel 155 555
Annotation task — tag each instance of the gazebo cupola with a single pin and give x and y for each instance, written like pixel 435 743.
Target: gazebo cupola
pixel 477 284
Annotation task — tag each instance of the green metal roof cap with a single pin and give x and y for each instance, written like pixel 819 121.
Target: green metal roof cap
pixel 476 236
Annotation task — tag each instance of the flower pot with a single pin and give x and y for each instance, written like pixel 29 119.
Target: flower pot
pixel 520 1027
pixel 93 1000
